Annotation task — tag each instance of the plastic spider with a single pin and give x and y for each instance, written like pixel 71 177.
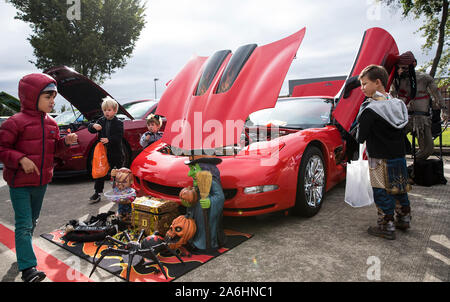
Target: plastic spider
pixel 149 248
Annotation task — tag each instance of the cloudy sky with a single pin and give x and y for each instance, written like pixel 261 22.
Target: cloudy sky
pixel 178 29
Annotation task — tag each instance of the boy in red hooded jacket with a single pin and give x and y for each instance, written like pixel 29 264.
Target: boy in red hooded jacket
pixel 28 142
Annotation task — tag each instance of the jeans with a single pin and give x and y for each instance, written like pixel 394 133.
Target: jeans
pixel 27 203
pixel 387 202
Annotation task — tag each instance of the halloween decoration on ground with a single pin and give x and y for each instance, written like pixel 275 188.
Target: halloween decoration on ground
pixel 208 211
pixel 189 195
pixel 149 248
pixel 94 229
pixel 153 214
pixel 122 193
pixel 179 233
pixel 142 269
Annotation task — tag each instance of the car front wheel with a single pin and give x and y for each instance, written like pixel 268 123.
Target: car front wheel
pixel 311 183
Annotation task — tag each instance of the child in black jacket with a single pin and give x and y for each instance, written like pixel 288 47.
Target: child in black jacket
pixel 110 133
pixel 381 123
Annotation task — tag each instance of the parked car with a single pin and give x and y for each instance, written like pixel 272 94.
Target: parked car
pixel 86 98
pixel 262 170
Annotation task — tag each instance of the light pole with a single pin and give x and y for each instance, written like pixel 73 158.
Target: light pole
pixel 154 80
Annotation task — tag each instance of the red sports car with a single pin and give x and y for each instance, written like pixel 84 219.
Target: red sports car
pixel 86 97
pixel 277 153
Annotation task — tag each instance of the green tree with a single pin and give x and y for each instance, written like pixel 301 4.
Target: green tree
pixel 94 37
pixel 436 30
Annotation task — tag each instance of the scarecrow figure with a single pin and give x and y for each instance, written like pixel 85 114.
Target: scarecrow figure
pixel 204 202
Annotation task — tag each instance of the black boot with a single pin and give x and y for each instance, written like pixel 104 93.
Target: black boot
pixel 403 218
pixel 385 228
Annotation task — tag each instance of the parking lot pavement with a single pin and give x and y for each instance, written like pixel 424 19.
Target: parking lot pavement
pixel 331 246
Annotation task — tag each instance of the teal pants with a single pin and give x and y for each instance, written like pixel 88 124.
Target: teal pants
pixel 27 203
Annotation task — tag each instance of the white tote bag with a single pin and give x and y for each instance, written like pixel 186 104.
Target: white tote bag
pixel 358 191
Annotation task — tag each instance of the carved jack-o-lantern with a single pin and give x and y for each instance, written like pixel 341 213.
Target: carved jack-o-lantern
pixel 189 195
pixel 181 230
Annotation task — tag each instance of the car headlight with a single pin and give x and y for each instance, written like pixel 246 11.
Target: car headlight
pixel 260 189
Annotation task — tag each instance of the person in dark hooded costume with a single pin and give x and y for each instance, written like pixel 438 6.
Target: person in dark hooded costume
pixel 419 92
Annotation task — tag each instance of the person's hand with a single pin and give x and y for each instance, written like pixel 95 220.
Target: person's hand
pixel 97 127
pixel 104 140
pixel 205 203
pixel 28 165
pixel 71 139
pixel 147 137
pixel 185 203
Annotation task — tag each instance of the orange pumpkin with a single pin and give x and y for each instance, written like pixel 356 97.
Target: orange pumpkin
pixel 189 195
pixel 181 230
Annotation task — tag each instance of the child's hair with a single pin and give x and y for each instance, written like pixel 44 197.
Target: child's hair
pixel 153 119
pixel 110 102
pixel 374 72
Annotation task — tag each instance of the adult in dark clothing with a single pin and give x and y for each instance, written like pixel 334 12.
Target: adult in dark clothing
pixel 381 123
pixel 110 133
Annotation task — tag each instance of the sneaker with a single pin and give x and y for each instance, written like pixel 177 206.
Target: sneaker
pixel 95 198
pixel 33 275
pixel 386 231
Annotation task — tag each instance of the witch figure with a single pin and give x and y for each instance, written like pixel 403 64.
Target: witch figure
pixel 207 209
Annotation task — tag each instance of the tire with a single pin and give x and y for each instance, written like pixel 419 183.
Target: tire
pixel 311 183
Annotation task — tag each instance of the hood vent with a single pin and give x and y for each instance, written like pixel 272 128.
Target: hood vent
pixel 235 66
pixel 209 73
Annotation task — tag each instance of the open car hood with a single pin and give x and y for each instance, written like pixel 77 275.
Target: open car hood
pixel 377 47
pixel 209 100
pixel 81 92
pixel 323 89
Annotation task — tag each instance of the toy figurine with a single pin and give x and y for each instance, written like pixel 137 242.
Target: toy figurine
pixel 123 194
pixel 208 211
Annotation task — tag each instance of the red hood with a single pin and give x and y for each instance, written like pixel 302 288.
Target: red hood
pixel 30 87
pixel 203 99
pixel 324 88
pixel 377 47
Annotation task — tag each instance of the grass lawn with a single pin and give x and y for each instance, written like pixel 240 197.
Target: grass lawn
pixel 445 139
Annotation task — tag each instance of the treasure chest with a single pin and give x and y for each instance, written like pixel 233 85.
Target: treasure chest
pixel 153 214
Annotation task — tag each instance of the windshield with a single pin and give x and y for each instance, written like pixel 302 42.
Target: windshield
pixel 294 113
pixel 67 117
pixel 138 109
